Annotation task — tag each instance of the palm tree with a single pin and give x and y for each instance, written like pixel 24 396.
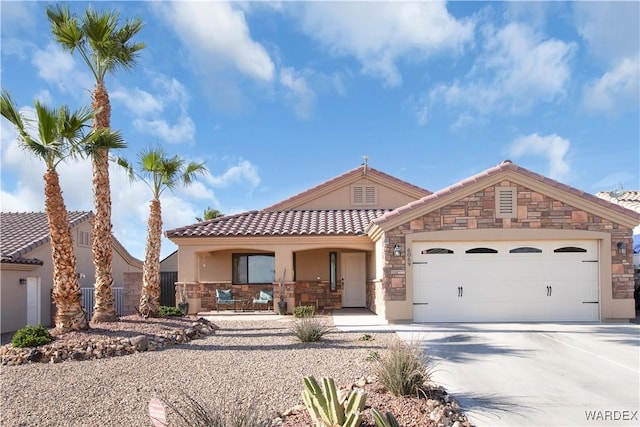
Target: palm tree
pixel 159 172
pixel 105 47
pixel 61 133
pixel 209 213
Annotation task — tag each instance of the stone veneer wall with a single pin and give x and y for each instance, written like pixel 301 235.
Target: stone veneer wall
pixel 132 284
pixel 317 294
pixel 535 210
pixel 302 293
pixel 371 296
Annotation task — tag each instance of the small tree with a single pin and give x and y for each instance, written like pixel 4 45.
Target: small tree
pixel 159 172
pixel 209 213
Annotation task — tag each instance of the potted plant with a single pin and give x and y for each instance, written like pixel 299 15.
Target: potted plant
pixel 183 305
pixel 282 304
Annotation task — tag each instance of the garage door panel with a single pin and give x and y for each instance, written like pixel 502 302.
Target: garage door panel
pixel 523 281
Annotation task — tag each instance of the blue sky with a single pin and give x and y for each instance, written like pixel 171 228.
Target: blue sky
pixel 276 97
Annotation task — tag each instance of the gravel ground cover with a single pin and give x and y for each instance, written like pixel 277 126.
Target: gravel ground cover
pixel 243 361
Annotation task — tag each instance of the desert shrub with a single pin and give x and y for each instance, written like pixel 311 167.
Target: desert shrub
pixel 190 412
pixel 310 329
pixel 31 336
pixel 402 370
pixel 366 337
pixel 304 311
pixel 168 311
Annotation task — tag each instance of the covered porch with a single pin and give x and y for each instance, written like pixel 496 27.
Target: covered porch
pixel 327 273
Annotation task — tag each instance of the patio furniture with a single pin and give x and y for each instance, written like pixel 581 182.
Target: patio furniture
pixel 265 298
pixel 224 297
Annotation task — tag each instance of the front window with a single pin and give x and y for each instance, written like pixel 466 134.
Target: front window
pixel 253 268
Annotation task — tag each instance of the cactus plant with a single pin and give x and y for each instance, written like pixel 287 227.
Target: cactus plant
pixel 327 409
pixel 387 420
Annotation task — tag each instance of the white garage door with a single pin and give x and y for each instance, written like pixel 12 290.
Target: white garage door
pixel 505 281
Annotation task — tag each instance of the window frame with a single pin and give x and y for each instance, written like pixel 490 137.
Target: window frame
pixel 333 271
pixel 235 277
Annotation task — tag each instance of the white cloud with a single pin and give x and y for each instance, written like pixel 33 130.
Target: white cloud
pixel 612 33
pixel 616 89
pixel 517 69
pixel 181 132
pixel 379 34
pixel 18 17
pixel 553 148
pixel 611 29
pixel 59 67
pixel 138 101
pixel 243 171
pixel 217 32
pixel 298 91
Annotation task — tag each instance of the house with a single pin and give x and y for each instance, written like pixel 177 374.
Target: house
pixel 26 267
pixel 630 200
pixel 506 244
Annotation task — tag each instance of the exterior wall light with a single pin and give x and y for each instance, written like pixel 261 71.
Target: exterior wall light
pixel 396 250
pixel 23 281
pixel 622 248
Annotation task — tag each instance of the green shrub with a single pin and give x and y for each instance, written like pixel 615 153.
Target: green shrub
pixel 223 412
pixel 31 336
pixel 401 369
pixel 168 311
pixel 366 337
pixel 310 329
pixel 304 311
pixel 373 356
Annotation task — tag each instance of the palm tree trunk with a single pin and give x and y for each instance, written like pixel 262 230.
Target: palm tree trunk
pixel 150 296
pixel 70 315
pixel 104 309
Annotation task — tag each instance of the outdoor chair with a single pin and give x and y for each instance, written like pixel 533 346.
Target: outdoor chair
pixel 224 297
pixel 265 298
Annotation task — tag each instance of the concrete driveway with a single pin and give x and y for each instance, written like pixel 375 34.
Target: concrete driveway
pixel 537 374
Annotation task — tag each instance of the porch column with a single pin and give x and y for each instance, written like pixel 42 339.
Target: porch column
pixel 187 265
pixel 284 264
pixel 284 272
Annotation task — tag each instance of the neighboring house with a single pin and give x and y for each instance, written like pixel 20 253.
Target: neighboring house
pixel 26 267
pixel 504 245
pixel 630 200
pixel 169 263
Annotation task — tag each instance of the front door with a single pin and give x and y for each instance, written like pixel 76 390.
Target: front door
pixel 33 301
pixel 354 279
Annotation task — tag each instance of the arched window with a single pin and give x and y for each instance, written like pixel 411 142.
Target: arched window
pixel 481 251
pixel 436 251
pixel 569 249
pixel 525 250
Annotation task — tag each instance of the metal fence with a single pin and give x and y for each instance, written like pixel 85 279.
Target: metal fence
pixel 88 300
pixel 168 281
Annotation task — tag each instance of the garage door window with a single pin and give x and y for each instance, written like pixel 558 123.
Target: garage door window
pixel 436 251
pixel 481 251
pixel 525 250
pixel 569 249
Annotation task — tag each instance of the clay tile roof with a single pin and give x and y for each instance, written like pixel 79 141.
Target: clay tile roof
pixel 627 199
pixel 22 232
pixel 283 223
pixel 506 165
